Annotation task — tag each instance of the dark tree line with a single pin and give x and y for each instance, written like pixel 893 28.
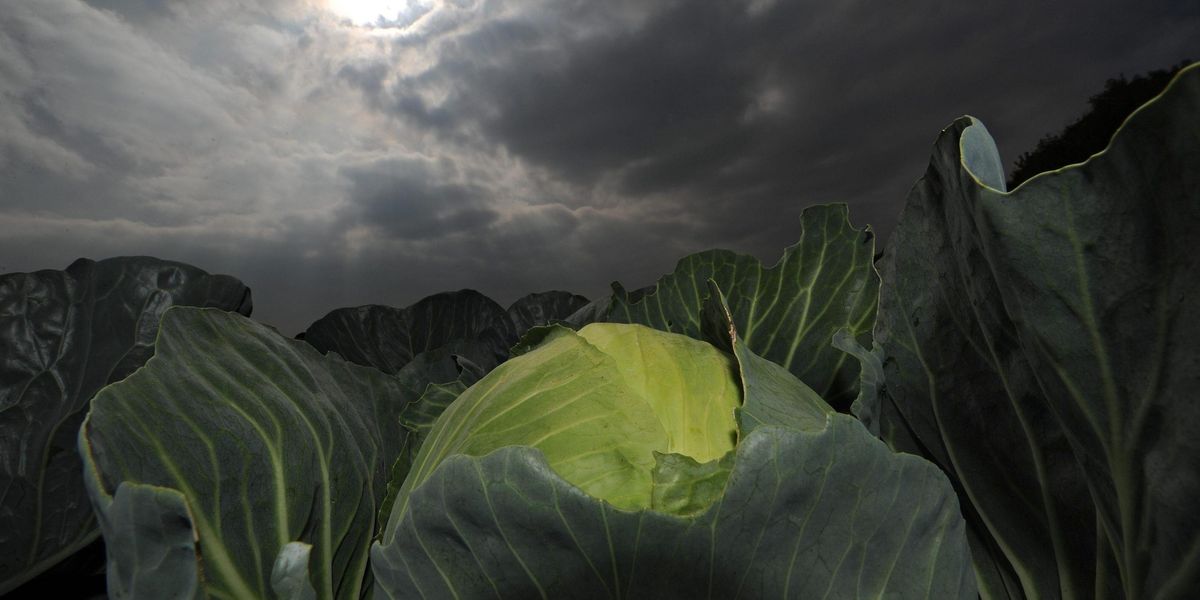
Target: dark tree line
pixel 1091 132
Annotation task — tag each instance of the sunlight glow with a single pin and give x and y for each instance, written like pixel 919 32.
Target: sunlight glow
pixel 372 12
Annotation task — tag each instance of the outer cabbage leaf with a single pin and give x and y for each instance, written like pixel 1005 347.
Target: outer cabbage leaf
pixel 787 313
pixel 445 364
pixel 805 514
pixel 260 441
pixel 388 338
pixel 597 310
pixel 63 336
pixel 684 486
pixel 1040 346
pixel 418 418
pixel 814 507
pixel 436 378
pixel 543 308
pixel 151 544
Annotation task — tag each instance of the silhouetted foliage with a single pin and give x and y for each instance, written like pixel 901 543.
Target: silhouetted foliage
pixel 1091 132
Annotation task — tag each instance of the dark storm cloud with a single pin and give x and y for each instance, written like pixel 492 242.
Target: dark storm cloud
pixel 509 146
pixel 756 110
pixel 668 91
pixel 402 199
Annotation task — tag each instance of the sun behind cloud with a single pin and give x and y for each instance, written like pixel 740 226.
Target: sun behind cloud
pixel 369 12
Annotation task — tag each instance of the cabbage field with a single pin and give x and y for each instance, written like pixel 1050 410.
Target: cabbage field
pixel 1003 405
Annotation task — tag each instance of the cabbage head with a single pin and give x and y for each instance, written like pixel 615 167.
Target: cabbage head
pixel 624 461
pixel 603 405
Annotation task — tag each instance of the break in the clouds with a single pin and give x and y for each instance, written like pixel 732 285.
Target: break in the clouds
pixel 329 156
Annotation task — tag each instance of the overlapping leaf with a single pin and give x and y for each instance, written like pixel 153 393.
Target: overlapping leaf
pixel 1040 346
pixel 435 378
pixel 63 336
pixel 387 338
pixel 261 442
pixel 787 313
pixel 814 514
pixel 543 308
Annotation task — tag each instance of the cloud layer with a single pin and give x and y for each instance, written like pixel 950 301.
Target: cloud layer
pixel 508 146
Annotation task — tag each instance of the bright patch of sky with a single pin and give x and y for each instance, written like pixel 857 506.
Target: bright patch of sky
pixel 381 13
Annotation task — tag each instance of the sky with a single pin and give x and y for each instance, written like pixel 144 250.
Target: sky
pixel 337 153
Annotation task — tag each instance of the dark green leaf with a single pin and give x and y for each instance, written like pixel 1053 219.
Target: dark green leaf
pixel 63 336
pixel 151 548
pixel 1041 348
pixel 787 313
pixel 831 513
pixel 543 308
pixel 685 487
pixel 870 382
pixel 265 440
pixel 387 338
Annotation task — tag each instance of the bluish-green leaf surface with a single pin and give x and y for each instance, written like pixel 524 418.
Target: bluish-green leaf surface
pixel 543 308
pixel 63 336
pixel 809 504
pixel 1040 346
pixel 477 328
pixel 787 313
pixel 260 441
pixel 387 338
pixel 804 515
pixel 435 378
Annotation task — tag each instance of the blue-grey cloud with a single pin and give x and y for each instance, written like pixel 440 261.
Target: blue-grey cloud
pixel 509 146
pixel 410 200
pixel 755 110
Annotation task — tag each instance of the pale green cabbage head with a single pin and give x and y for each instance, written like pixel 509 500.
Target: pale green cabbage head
pixel 607 405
